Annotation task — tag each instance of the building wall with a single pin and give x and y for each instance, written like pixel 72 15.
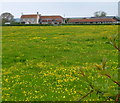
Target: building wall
pixel 44 22
pixel 37 20
pixel 49 21
pixel 29 20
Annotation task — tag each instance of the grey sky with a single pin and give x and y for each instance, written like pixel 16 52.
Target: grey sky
pixel 70 9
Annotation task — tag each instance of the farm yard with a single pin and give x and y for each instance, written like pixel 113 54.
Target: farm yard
pixel 57 63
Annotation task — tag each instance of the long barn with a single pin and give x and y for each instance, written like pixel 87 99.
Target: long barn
pixel 102 20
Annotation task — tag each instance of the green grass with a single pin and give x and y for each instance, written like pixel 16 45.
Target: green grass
pixel 40 63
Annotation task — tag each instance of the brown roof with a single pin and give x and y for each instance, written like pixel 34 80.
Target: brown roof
pixel 29 16
pixel 51 17
pixel 92 20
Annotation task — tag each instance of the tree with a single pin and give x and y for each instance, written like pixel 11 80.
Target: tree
pixel 6 17
pixel 66 20
pixel 100 14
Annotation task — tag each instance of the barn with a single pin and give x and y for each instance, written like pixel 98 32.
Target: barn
pixel 102 20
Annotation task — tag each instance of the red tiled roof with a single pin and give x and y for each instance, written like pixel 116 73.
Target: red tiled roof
pixel 92 20
pixel 29 16
pixel 51 17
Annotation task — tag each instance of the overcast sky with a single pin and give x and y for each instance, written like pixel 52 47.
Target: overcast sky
pixel 67 9
pixel 59 0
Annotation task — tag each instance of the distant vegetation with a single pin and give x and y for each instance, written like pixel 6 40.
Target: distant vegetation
pixel 100 14
pixel 6 17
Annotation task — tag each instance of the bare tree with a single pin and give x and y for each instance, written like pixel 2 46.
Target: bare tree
pixel 6 17
pixel 100 14
pixel 66 20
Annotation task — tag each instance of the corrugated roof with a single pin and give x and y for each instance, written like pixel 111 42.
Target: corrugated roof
pixel 92 20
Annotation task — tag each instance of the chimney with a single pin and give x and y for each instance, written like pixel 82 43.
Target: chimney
pixel 37 13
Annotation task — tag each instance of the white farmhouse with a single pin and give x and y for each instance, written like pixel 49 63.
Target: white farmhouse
pixel 30 19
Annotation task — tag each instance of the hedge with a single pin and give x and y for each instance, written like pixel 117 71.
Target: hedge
pixel 51 24
pixel 27 25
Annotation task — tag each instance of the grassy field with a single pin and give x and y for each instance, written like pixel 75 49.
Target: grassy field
pixel 42 63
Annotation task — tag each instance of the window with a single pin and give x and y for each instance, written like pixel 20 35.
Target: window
pixel 32 19
pixel 23 19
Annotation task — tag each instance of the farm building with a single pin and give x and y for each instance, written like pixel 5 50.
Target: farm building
pixel 57 19
pixel 94 20
pixel 38 19
pixel 51 19
pixel 30 19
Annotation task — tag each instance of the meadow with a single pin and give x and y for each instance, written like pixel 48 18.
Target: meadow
pixel 43 63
